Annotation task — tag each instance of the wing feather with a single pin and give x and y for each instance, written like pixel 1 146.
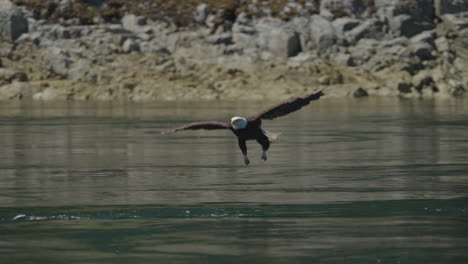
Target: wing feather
pixel 287 107
pixel 199 125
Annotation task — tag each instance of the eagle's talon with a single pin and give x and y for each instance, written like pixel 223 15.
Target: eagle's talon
pixel 246 160
pixel 264 156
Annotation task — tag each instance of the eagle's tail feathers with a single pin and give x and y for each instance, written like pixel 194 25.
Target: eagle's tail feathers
pixel 272 137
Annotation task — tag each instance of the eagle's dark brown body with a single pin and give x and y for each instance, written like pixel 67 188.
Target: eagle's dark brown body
pixel 252 131
pixel 251 128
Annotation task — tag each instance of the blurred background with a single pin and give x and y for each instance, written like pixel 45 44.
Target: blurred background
pixel 145 50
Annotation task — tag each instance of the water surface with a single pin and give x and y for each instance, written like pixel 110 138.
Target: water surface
pixel 350 181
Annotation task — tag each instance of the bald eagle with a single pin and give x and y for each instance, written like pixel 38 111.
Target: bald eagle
pixel 251 128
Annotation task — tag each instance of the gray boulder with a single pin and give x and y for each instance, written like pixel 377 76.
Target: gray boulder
pixel 423 80
pixel 277 38
pixel 442 44
pixel 7 76
pixel 133 23
pixel 16 90
pixel 422 50
pixel 363 51
pixel 223 38
pixel 322 33
pixel 406 17
pixel 12 21
pixel 81 71
pixel 243 32
pixel 371 28
pixel 343 59
pixel 295 8
pixel 201 13
pixel 425 37
pixel 344 24
pixel 360 92
pixel 442 7
pixel 404 87
pixel 455 22
pixel 58 60
pixel 130 45
pixel 153 46
pixel 301 25
pixel 406 25
pixel 420 10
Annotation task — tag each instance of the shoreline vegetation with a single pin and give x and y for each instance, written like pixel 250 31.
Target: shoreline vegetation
pixel 147 50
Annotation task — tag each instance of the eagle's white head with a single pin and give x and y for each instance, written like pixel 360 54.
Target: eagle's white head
pixel 238 122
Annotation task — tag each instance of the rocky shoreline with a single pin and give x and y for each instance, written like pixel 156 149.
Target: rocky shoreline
pixel 355 48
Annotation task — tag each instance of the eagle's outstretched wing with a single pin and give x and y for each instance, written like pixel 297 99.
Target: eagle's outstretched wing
pixel 287 107
pixel 199 125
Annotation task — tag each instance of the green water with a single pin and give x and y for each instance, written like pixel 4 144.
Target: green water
pixel 358 181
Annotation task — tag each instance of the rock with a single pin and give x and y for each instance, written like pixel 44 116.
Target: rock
pixel 344 59
pixel 422 79
pixel 344 7
pixel 404 87
pixel 458 91
pixel 420 10
pixel 223 38
pixel 406 17
pixel 324 80
pixel 442 44
pixel 301 58
pixel 443 7
pixel 389 43
pixel 130 45
pixel 219 21
pixel 153 46
pixel 331 78
pixel 325 13
pixel 201 13
pixel 33 37
pixel 12 22
pixel 363 51
pixel 16 90
pixel 59 32
pixel 277 38
pixel 322 33
pixel 48 94
pixel 344 24
pixel 295 8
pixel 422 51
pixel 456 22
pixel 244 29
pixel 425 37
pixel 371 28
pixel 133 23
pixel 405 25
pixel 81 71
pixel 360 92
pixel 7 75
pixel 301 26
pixel 6 48
pixel 463 33
pixel 242 19
pixel 59 60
